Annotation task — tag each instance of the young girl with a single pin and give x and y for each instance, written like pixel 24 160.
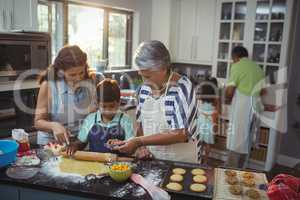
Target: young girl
pixel 207 118
pixel 106 124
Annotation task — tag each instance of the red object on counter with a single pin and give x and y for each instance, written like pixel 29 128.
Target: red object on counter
pixel 284 187
pixel 23 146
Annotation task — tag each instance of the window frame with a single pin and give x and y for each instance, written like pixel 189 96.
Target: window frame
pixel 107 10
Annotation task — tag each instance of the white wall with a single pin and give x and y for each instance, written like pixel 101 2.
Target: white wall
pixel 161 21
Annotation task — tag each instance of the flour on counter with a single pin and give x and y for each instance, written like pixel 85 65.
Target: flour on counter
pixel 51 169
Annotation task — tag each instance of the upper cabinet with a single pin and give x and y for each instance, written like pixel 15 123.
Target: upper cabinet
pixel 262 26
pixel 25 17
pixel 192 31
pixel 18 15
pixel 6 15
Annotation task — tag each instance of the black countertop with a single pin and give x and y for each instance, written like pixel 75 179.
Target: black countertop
pixel 104 188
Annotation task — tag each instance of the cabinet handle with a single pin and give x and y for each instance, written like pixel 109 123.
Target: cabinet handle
pixel 4 19
pixel 195 47
pixel 192 48
pixel 11 20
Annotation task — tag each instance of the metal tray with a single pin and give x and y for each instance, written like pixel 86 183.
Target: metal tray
pixel 188 180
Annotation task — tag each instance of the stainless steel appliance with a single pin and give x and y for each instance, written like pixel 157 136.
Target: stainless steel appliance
pixel 21 51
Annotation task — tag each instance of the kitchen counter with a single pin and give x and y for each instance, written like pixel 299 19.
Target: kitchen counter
pixel 46 185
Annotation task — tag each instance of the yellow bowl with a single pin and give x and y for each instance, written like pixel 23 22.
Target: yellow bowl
pixel 120 171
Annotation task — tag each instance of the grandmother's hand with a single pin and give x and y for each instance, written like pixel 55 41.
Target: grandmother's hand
pixel 128 147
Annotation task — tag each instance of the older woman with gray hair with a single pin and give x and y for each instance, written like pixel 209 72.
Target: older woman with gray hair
pixel 166 111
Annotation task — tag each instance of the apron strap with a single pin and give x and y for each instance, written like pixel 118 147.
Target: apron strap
pixel 96 117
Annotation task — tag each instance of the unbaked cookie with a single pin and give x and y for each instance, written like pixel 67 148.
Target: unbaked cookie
pixel 253 194
pixel 232 180
pixel 235 189
pixel 174 186
pixel 179 171
pixel 198 172
pixel 230 172
pixel 197 187
pixel 176 178
pixel 249 182
pixel 200 179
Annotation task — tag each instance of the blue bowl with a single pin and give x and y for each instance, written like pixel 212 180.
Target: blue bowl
pixel 8 152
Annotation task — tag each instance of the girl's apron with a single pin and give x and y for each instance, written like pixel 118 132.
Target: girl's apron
pixel 154 121
pixel 99 135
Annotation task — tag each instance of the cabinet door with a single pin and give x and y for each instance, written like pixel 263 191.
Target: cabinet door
pixel 2 15
pixel 9 192
pixel 25 15
pixel 9 14
pixel 206 10
pixel 187 24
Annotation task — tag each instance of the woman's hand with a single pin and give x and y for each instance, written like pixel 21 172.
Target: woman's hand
pixel 143 153
pixel 128 147
pixel 60 133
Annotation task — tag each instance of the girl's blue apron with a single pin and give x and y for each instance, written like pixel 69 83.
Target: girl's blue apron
pixel 99 135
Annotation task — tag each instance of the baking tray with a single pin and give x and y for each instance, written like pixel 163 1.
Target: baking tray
pixel 188 180
pixel 221 191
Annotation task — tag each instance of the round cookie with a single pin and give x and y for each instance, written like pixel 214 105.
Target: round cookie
pixel 231 180
pixel 197 187
pixel 249 182
pixel 253 194
pixel 230 172
pixel 179 171
pixel 174 186
pixel 198 172
pixel 248 175
pixel 235 189
pixel 176 178
pixel 200 179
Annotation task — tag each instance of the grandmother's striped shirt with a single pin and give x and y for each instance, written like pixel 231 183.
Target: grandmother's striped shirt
pixel 180 105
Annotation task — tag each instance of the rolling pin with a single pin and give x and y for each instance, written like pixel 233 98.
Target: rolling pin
pixel 95 156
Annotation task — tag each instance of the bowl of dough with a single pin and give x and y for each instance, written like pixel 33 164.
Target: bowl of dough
pixel 120 171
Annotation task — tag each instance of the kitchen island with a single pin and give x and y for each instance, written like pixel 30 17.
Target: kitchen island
pixel 46 185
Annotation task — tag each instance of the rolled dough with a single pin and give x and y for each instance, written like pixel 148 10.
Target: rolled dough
pixel 68 165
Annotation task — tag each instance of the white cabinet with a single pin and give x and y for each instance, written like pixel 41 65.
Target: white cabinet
pixel 6 17
pixel 192 31
pixel 25 15
pixel 261 26
pixel 18 15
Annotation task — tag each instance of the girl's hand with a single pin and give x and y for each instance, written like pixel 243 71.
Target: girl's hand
pixel 60 133
pixel 143 153
pixel 71 149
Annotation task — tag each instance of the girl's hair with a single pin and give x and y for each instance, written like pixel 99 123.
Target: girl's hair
pixel 68 57
pixel 208 89
pixel 108 91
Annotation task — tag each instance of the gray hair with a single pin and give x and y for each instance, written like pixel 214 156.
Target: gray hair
pixel 152 54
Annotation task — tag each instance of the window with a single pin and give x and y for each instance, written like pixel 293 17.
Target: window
pixel 104 34
pixel 43 17
pixel 117 39
pixel 50 17
pixel 85 28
